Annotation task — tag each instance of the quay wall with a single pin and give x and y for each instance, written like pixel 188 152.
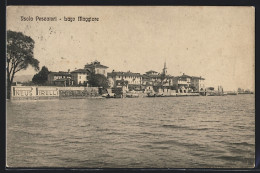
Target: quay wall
pixel 50 92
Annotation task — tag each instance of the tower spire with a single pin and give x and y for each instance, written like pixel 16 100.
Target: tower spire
pixel 164 68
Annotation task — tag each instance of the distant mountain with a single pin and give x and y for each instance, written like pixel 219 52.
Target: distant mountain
pixel 23 78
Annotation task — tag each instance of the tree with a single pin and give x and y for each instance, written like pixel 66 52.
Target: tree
pixel 174 87
pixel 42 77
pixel 19 56
pixel 98 80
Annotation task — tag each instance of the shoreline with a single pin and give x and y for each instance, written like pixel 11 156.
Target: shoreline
pixel 39 98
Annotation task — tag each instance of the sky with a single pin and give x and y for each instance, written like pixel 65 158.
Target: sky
pixel 217 43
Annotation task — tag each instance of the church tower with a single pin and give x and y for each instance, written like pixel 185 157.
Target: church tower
pixel 165 69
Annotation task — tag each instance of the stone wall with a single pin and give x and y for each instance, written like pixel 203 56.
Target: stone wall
pixel 50 92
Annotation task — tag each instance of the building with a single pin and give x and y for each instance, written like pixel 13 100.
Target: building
pixel 186 83
pixel 183 83
pixel 62 82
pixel 198 83
pixel 167 80
pixel 153 78
pixel 152 72
pixel 60 78
pixel 164 72
pixel 79 76
pixel 97 68
pixel 134 80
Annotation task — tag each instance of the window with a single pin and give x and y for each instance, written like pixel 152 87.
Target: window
pixel 79 77
pixel 97 71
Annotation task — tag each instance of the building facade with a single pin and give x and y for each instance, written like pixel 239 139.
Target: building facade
pixel 60 78
pixel 80 76
pixel 183 83
pixel 153 78
pixel 186 83
pixel 198 83
pixel 97 68
pixel 133 80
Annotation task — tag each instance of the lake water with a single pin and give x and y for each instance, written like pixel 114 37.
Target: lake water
pixel 172 132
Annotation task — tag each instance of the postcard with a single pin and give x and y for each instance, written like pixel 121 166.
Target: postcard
pixel 130 87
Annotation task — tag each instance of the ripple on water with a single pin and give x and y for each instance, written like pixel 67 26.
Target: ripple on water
pixel 147 132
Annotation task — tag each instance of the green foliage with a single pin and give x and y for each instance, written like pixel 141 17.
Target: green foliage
pixel 174 87
pixel 98 80
pixel 19 55
pixel 162 76
pixel 42 77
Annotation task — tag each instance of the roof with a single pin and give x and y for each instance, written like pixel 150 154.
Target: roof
pixel 184 76
pixel 156 76
pixel 60 73
pixel 151 71
pixel 124 74
pixel 187 76
pixel 80 71
pixel 95 64
pixel 195 77
pixel 146 76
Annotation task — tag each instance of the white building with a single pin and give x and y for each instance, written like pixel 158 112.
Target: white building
pixel 79 77
pixel 133 80
pixel 198 83
pixel 97 68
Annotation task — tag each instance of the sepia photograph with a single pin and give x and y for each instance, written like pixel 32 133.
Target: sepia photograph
pixel 130 87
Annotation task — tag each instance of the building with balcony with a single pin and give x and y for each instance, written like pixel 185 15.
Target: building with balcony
pixel 183 83
pixel 186 83
pixel 198 83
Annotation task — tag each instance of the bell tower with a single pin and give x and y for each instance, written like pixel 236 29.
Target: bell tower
pixel 164 68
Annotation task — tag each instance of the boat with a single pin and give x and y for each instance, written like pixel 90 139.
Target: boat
pixel 132 95
pixel 108 95
pixel 231 93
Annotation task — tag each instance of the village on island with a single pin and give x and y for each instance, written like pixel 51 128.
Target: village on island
pixel 78 84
